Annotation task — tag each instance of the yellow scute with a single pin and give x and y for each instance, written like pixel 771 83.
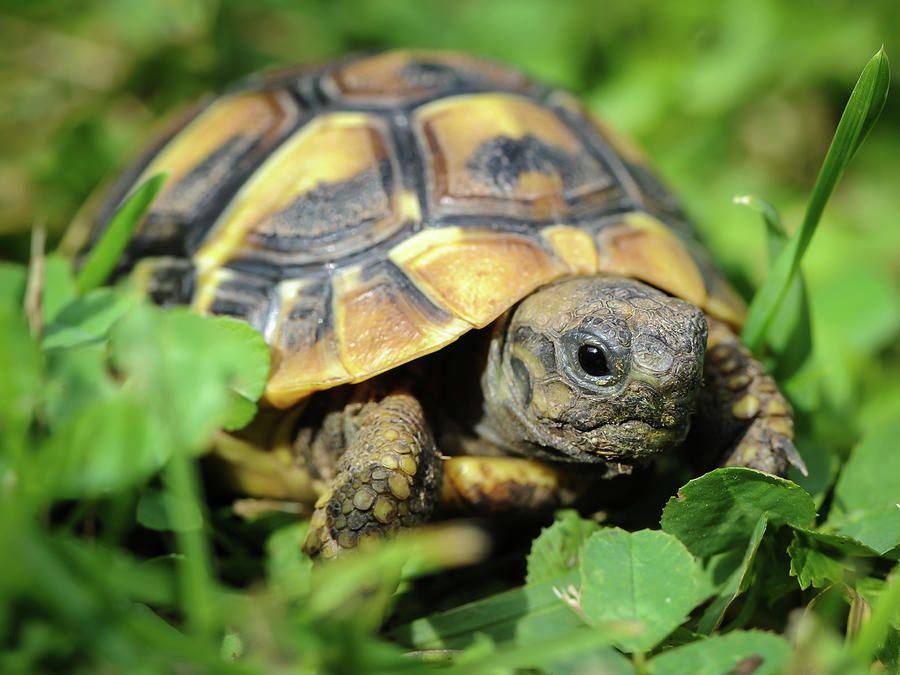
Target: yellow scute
pixel 645 248
pixel 379 326
pixel 476 274
pixel 574 246
pixel 329 149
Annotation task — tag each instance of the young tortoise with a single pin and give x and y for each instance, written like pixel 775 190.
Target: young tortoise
pixel 368 212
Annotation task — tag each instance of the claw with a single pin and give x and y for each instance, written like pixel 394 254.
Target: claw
pixel 790 452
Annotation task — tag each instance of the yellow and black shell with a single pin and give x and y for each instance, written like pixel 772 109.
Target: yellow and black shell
pixel 367 212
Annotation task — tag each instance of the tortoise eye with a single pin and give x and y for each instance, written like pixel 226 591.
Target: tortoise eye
pixel 592 360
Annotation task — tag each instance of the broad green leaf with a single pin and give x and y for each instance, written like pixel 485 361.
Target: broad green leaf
pixel 497 615
pixel 713 615
pixel 239 412
pixel 85 321
pixel 155 509
pixel 557 549
pixel 862 111
pixel 250 379
pixel 720 509
pixel 105 254
pixel 602 660
pixel 738 652
pixel 878 529
pixel 815 563
pixel 109 445
pixel 76 378
pixel 867 492
pixel 186 366
pixel 870 480
pixel 841 544
pixel 647 577
pixel 250 382
pixel 557 620
pixel 714 571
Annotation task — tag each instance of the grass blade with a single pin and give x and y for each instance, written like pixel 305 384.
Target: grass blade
pixel 789 336
pixel 102 259
pixel 196 585
pixel 862 110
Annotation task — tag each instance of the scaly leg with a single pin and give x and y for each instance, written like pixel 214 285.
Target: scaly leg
pixel 388 477
pixel 741 408
pixel 491 485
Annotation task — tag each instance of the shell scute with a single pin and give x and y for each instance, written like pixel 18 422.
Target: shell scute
pixel 328 191
pixel 499 154
pixel 206 160
pixel 406 76
pixel 474 272
pixel 305 351
pixel 644 248
pixel 381 319
pixel 574 247
pixel 226 293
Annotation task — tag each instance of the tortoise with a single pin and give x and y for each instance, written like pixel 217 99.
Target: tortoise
pixel 366 213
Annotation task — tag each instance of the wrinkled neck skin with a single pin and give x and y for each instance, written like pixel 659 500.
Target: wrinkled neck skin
pixel 538 401
pixel 503 422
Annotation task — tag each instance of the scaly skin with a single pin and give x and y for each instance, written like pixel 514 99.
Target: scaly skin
pixel 740 407
pixel 540 402
pixel 388 477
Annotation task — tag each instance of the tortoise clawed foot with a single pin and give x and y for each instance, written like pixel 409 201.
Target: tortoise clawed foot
pixel 388 478
pixel 743 405
pixel 768 446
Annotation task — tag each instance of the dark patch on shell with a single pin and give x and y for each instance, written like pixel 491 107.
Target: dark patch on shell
pixel 243 298
pixel 439 77
pixel 171 282
pixel 502 160
pixel 309 318
pixel 328 212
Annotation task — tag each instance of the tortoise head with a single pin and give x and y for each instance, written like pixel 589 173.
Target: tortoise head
pixel 594 369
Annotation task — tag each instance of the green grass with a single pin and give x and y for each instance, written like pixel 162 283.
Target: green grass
pixel 102 258
pixel 862 111
pixel 120 558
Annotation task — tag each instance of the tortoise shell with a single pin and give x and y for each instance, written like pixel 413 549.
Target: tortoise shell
pixel 367 212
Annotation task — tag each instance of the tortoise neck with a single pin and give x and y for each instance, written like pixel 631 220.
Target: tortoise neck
pixel 500 421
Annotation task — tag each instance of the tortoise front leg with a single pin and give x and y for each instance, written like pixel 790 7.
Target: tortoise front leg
pixel 491 485
pixel 741 408
pixel 388 477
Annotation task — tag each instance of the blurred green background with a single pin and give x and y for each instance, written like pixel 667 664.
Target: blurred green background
pixel 729 97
